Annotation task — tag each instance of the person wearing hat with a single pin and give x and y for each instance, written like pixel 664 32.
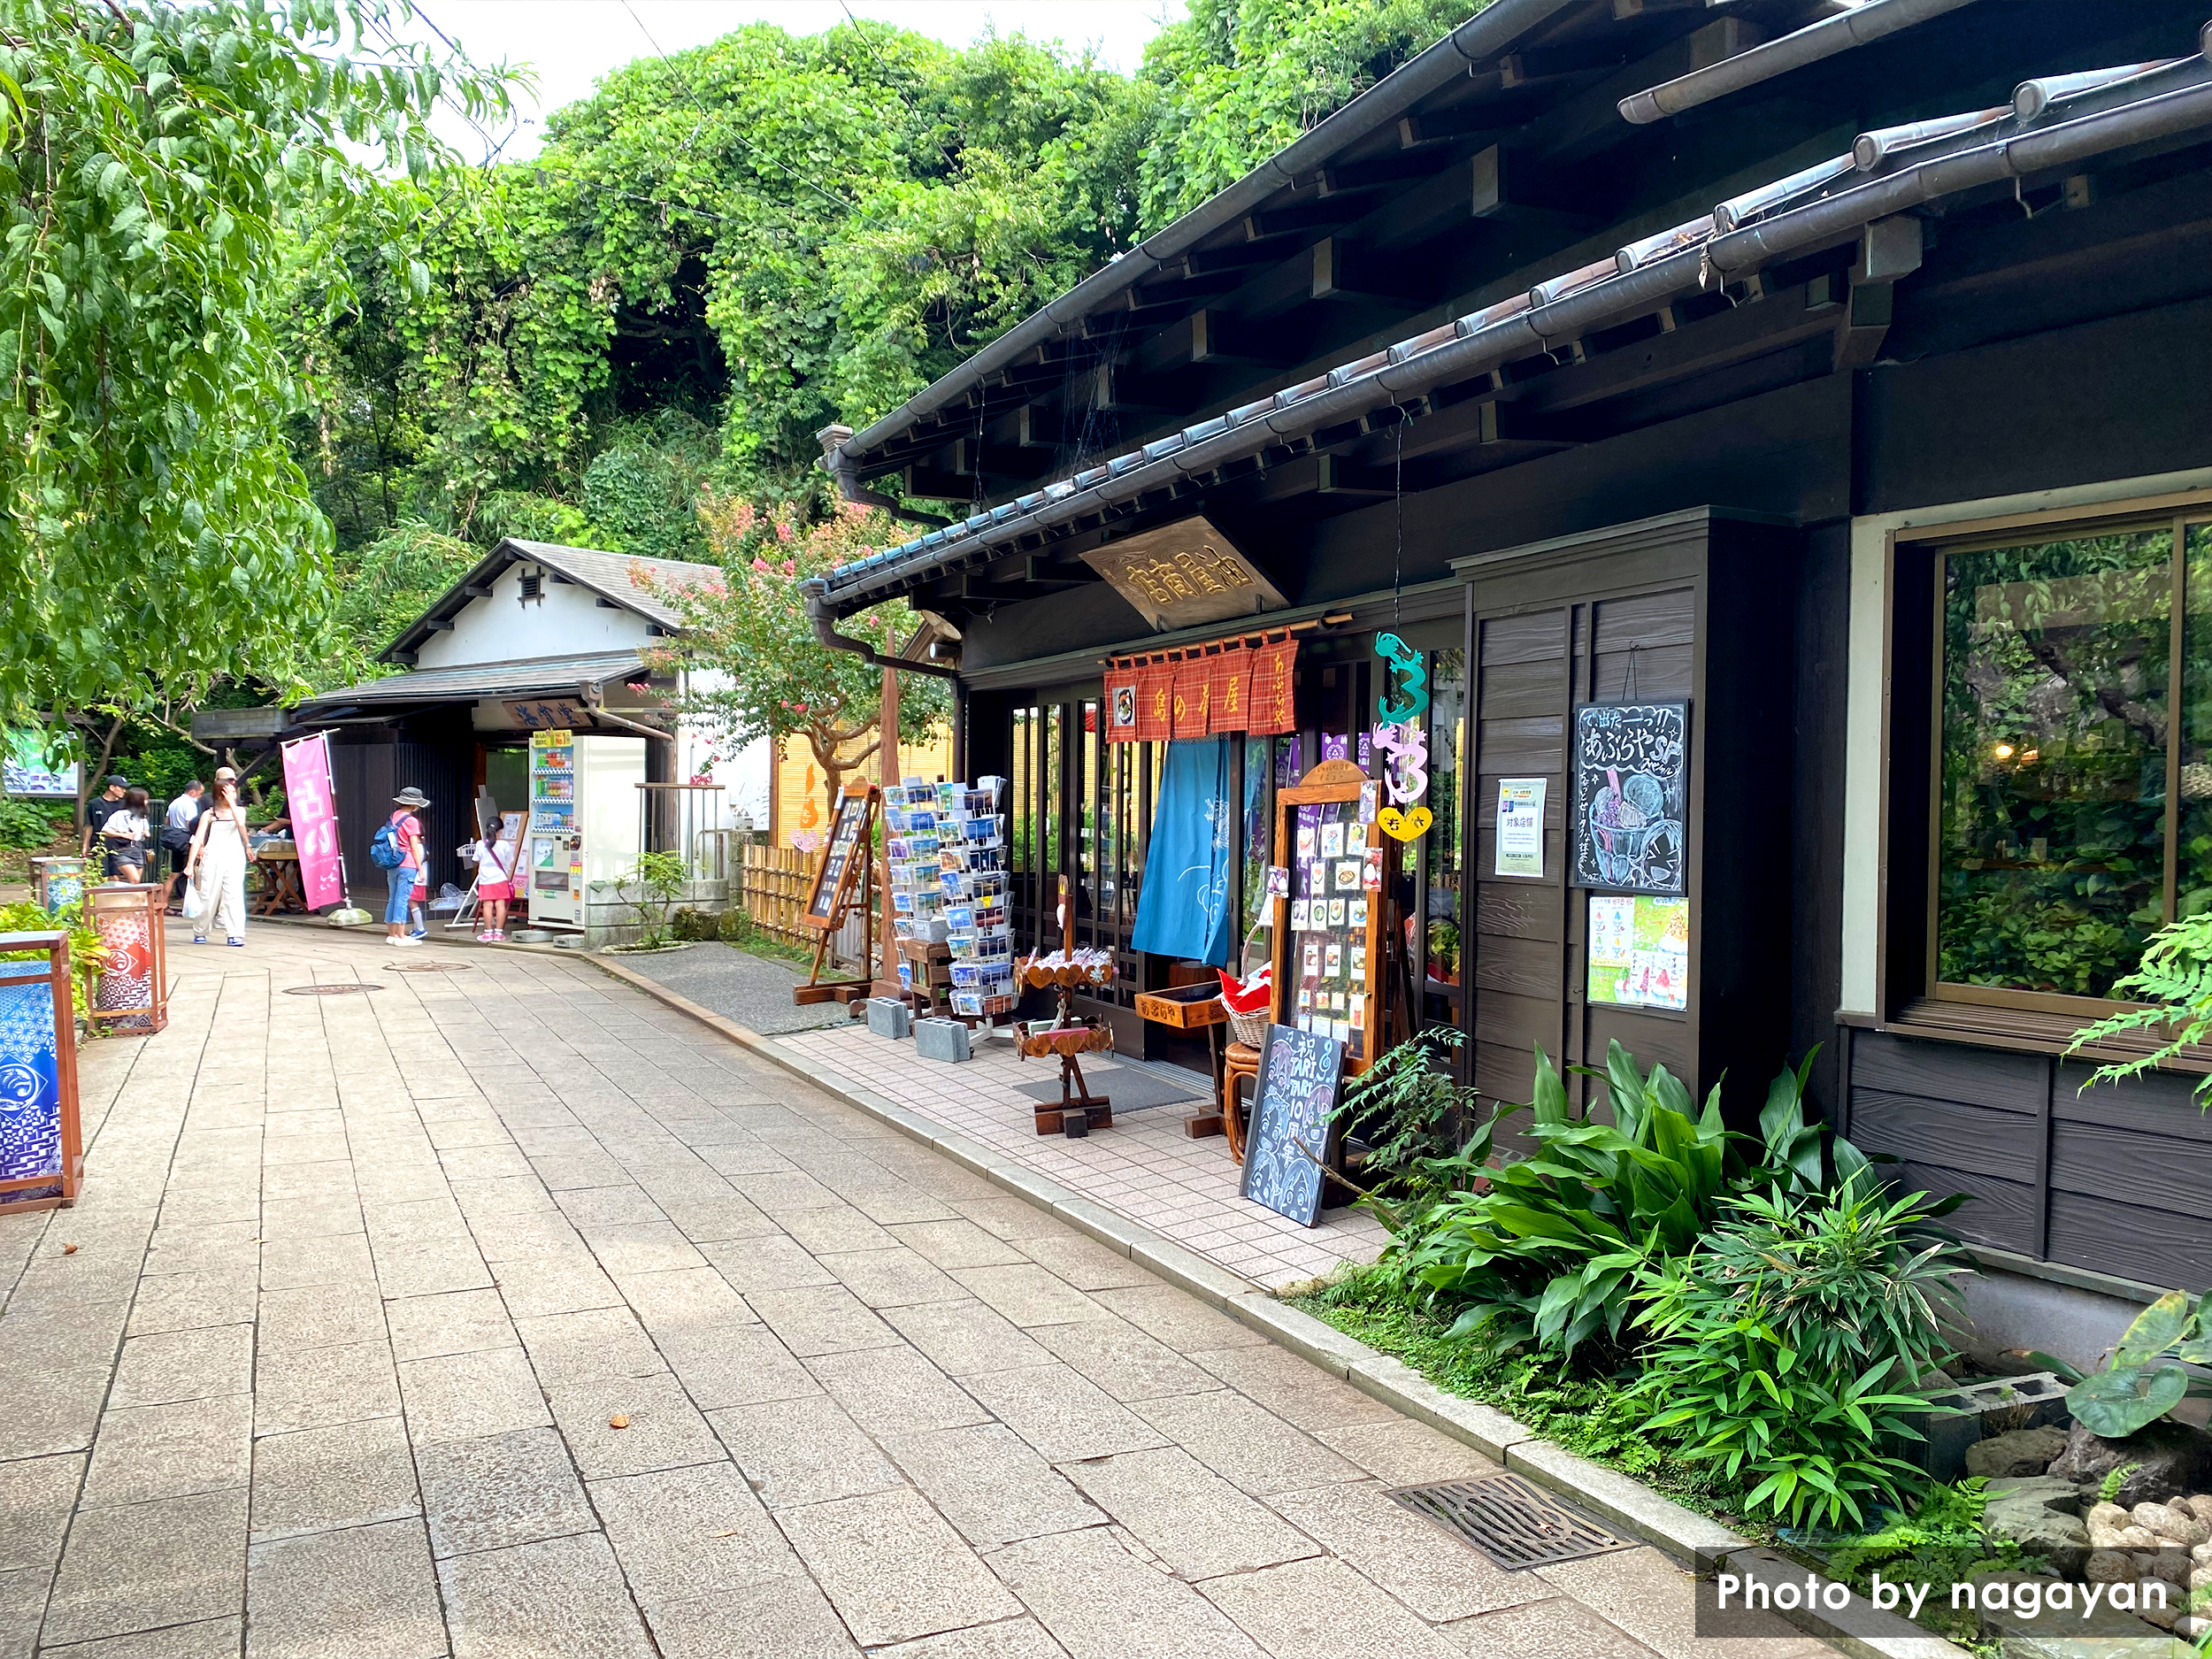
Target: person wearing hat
pixel 217 863
pixel 413 873
pixel 97 814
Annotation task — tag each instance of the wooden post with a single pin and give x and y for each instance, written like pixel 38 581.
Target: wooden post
pixel 887 769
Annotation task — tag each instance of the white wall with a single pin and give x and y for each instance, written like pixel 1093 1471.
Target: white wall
pixel 1863 745
pixel 565 621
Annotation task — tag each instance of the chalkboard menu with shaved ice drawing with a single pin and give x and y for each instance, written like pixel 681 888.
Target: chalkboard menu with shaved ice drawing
pixel 1294 1098
pixel 1329 929
pixel 1632 790
pixel 841 853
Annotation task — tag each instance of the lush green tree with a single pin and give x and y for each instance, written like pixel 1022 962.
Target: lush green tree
pixel 758 669
pixel 165 173
pixel 1238 79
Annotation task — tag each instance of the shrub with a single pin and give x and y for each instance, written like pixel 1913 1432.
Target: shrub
pixel 85 952
pixel 1786 1345
pixel 28 827
pixel 659 879
pixel 1412 1115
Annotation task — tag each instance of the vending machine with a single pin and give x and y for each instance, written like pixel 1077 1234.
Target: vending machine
pixel 585 820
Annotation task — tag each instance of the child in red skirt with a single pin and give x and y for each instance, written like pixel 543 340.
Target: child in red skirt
pixel 494 887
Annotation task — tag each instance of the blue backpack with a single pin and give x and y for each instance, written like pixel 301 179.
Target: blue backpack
pixel 385 851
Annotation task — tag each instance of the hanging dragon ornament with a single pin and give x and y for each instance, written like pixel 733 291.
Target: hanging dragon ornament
pixel 1403 739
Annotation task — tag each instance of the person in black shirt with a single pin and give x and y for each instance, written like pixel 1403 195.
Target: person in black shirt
pixel 98 812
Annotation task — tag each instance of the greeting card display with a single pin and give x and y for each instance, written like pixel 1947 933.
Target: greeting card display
pixel 1329 933
pixel 946 853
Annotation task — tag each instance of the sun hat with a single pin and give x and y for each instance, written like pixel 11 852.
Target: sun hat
pixel 410 796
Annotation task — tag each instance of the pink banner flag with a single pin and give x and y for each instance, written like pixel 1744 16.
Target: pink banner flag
pixel 312 806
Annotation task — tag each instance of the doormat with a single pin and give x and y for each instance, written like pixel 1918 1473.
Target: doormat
pixel 1130 1089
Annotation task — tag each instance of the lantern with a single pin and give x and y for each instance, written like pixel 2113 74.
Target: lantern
pixel 57 883
pixel 132 996
pixel 42 1148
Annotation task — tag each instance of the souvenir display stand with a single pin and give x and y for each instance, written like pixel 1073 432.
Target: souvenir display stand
pixel 132 995
pixel 946 862
pixel 1080 1111
pixel 1332 928
pixel 41 1147
pixel 844 882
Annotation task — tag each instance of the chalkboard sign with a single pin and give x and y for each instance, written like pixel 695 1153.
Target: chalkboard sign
pixel 1287 1145
pixel 841 853
pixel 1329 928
pixel 1632 774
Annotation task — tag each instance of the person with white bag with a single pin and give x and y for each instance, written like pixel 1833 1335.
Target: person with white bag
pixel 215 873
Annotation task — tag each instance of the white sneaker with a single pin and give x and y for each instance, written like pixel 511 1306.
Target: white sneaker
pixel 410 943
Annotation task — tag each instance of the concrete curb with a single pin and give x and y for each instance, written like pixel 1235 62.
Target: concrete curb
pixel 1623 1502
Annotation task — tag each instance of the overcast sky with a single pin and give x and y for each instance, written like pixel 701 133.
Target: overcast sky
pixel 571 43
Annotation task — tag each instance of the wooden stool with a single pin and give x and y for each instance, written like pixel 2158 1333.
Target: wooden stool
pixel 1241 1060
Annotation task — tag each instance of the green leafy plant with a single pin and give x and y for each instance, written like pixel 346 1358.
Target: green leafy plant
pixel 1941 1543
pixel 2142 1382
pixel 26 826
pixel 1847 1281
pixel 87 953
pixel 659 879
pixel 1411 1115
pixel 2109 1488
pixel 2175 980
pixel 1545 1249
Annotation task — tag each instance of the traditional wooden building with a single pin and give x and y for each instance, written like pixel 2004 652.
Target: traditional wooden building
pixel 1843 372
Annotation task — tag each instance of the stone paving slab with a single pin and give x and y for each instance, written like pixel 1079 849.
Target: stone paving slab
pixel 506 1313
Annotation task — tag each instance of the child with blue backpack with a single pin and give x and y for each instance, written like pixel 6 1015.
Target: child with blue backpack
pixel 398 851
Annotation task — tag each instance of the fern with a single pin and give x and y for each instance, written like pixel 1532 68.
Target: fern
pixel 2175 983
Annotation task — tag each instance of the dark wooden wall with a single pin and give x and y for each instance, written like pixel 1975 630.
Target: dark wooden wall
pixel 2115 1180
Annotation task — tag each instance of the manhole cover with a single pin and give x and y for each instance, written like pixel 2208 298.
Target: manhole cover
pixel 1509 1520
pixel 349 989
pixel 425 967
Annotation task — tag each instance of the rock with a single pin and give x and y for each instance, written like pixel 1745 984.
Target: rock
pixel 2106 1538
pixel 2168 1521
pixel 2200 1578
pixel 2174 1458
pixel 2137 1537
pixel 2194 1629
pixel 2200 1506
pixel 2201 1554
pixel 2168 1564
pixel 2022 1452
pixel 2108 1566
pixel 2037 1512
pixel 2156 1602
pixel 2109 1515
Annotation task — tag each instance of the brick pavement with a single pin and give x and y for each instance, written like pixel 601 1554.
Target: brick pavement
pixel 363 1282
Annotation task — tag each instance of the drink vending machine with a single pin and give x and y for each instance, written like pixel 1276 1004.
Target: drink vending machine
pixel 585 820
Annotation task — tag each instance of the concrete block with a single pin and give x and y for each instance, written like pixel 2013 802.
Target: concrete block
pixel 887 1017
pixel 940 1039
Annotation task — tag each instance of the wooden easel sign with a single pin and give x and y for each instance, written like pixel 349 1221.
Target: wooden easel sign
pixel 1331 928
pixel 839 883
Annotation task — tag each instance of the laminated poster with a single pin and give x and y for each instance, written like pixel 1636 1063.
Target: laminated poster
pixel 1640 951
pixel 1520 827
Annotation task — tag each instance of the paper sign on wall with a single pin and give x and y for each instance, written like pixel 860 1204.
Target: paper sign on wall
pixel 1520 827
pixel 1640 951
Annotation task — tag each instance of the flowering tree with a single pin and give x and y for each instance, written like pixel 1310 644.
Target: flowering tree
pixel 749 639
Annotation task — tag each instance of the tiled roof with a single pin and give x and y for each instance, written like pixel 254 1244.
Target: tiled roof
pixel 2060 119
pixel 608 573
pixel 533 677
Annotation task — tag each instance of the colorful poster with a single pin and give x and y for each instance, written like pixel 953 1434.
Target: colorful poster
pixel 312 803
pixel 30 1075
pixel 1520 827
pixel 27 771
pixel 1640 951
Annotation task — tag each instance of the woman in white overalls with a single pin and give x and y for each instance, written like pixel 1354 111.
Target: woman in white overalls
pixel 217 866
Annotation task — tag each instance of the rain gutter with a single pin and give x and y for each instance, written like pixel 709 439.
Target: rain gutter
pixel 1824 39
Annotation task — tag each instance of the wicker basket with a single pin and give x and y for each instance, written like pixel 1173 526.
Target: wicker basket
pixel 1249 1029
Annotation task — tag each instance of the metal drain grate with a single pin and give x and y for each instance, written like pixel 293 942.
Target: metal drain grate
pixel 349 989
pixel 1516 1525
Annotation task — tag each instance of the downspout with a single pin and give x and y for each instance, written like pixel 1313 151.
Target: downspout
pixel 824 620
pixel 839 466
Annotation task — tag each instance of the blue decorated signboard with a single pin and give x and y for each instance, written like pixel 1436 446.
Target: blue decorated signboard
pixel 30 1078
pixel 1289 1139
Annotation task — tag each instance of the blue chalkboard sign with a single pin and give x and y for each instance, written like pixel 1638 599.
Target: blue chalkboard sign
pixel 1293 1099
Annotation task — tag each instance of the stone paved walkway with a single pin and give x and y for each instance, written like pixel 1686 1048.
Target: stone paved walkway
pixel 362 1283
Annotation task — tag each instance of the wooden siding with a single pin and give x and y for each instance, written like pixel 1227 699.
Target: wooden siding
pixel 2117 1179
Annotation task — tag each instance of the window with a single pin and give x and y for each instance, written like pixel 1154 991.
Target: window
pixel 2073 745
